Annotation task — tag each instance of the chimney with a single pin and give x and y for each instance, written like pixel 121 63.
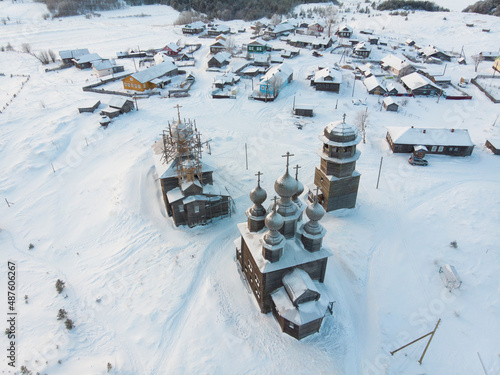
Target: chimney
pixel 424 131
pixel 452 130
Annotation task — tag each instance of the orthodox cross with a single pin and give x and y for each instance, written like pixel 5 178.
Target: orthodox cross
pixel 287 156
pixel 178 111
pixel 344 117
pixel 297 171
pixel 274 205
pixel 258 174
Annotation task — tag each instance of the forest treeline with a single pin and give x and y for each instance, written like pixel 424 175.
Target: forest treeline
pixel 491 7
pixel 428 6
pixel 221 9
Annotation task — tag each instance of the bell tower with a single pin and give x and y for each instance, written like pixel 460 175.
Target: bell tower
pixel 336 176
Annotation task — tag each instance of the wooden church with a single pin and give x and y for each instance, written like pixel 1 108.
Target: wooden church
pixel 283 259
pixel 187 186
pixel 336 177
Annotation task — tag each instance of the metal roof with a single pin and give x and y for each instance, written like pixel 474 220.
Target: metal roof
pixel 430 137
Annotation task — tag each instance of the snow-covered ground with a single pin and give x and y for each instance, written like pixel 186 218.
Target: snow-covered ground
pixel 170 299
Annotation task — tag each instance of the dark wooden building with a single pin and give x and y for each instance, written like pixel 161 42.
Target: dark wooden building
pixel 188 190
pixel 390 105
pixel 193 28
pixel 453 142
pixel 283 260
pixel 327 79
pixel 336 176
pixel 219 60
pixel 493 145
pixel 418 84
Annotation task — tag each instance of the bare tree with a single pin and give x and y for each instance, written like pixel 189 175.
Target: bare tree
pixel 258 28
pixel 26 48
pixel 52 55
pixel 477 60
pixel 275 19
pixel 43 57
pixel 361 121
pixel 230 45
pixel 330 15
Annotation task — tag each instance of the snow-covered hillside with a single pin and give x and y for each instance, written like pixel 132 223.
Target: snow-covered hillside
pixel 149 298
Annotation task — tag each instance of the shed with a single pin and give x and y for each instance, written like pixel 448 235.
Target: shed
pixel 89 107
pixel 493 145
pixel 450 277
pixel 390 105
pixel 303 110
pixel 373 86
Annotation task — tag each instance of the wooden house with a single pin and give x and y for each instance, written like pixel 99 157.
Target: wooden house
pixel 410 42
pixel 396 89
pixel 281 29
pixel 155 76
pixel 317 27
pixel 193 28
pixel 361 50
pixel 219 60
pixel 290 53
pixel 373 40
pixel 118 106
pixel 282 258
pixel 217 30
pixel 303 110
pixel 162 57
pixel 171 49
pixel 453 142
pixel 68 55
pixel 258 46
pixel 262 59
pixel 488 56
pixel 493 145
pixel 390 105
pixel 303 41
pixel 433 52
pixel 344 31
pixel 418 84
pixel 273 81
pixel 106 67
pixel 373 86
pixel 85 61
pixel 396 66
pixel 218 46
pixel 327 79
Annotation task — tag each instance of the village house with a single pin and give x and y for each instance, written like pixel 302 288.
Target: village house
pixel 258 46
pixel 453 142
pixel 162 57
pixel 218 46
pixel 373 40
pixel 85 61
pixel 263 59
pixel 171 49
pixel 362 50
pixel 373 86
pixel 496 64
pixel 218 29
pixel 227 79
pixel 343 31
pixel 290 53
pixel 417 84
pixel 390 105
pixel 106 67
pixel 396 89
pixel 488 56
pixel 283 259
pixel 396 66
pixel 273 81
pixel 155 76
pixel 68 56
pixel 303 41
pixel 317 27
pixel 283 28
pixel 219 60
pixel 433 52
pixel 327 79
pixel 193 28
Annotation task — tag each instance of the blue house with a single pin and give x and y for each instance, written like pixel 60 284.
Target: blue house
pixel 273 81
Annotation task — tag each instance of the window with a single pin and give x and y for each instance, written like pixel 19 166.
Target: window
pixel 250 266
pixel 181 208
pixel 440 149
pixel 196 209
pixel 433 149
pixel 456 148
pixel 291 325
pixel 450 149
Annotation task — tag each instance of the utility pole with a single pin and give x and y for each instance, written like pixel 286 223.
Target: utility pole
pixel 353 85
pixel 380 170
pixel 246 155
pixel 429 342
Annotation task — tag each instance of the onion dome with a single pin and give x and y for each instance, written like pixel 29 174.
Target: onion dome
pixel 315 211
pixel 274 221
pixel 258 195
pixel 339 131
pixel 300 190
pixel 286 186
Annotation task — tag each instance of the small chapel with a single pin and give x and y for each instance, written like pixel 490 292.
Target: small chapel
pixel 336 177
pixel 282 258
pixel 189 192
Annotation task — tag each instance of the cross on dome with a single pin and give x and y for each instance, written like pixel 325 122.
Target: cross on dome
pixel 287 156
pixel 258 174
pixel 297 171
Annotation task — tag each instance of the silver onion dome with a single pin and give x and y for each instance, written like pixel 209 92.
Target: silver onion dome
pixel 286 186
pixel 315 211
pixel 258 195
pixel 274 221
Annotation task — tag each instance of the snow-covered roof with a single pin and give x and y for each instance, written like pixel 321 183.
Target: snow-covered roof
pixel 304 312
pixel 88 58
pixel 103 64
pixel 430 50
pixel 74 53
pixel 222 56
pixel 118 102
pixel 220 28
pixel 283 28
pixel 258 42
pixel 361 47
pixel 172 46
pixel 262 58
pixel 388 101
pixel 415 81
pixel 153 72
pixel 281 71
pixel 319 23
pixel 393 85
pixel 344 28
pixel 495 142
pixel 324 74
pixel 195 25
pixel 430 137
pixel 297 283
pixel 371 83
pixel 394 62
pixel 310 39
pixel 162 57
pixel 220 42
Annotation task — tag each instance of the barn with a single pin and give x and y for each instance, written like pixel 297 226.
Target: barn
pixel 453 142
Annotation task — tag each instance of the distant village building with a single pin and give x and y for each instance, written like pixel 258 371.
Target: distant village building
pixel 171 49
pixel 68 56
pixel 219 60
pixel 336 177
pixel 390 105
pixel 106 67
pixel 344 31
pixel 85 61
pixel 156 76
pixel 218 46
pixel 317 27
pixel 488 56
pixel 193 28
pixel 396 89
pixel 494 145
pixel 327 79
pixel 417 84
pixel 162 57
pixel 373 86
pixel 396 66
pixel 258 46
pixel 283 28
pixel 433 52
pixel 453 142
pixel 496 64
pixel 187 185
pixel 273 81
pixel 362 50
pixel 314 42
pixel 373 40
pixel 118 106
pixel 89 107
pixel 218 29
pixel 283 259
